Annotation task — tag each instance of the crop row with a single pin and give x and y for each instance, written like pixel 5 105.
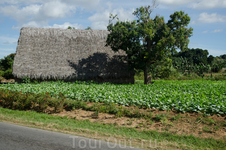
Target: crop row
pixel 184 96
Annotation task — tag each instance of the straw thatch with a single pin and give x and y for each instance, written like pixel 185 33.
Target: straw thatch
pixel 69 55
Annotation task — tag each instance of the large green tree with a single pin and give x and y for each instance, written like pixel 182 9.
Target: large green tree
pixel 147 41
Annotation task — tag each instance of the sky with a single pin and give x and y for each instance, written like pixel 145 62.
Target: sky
pixel 208 18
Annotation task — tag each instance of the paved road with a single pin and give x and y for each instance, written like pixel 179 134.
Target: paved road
pixel 15 137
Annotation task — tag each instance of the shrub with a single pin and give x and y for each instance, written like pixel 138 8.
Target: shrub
pixel 6 66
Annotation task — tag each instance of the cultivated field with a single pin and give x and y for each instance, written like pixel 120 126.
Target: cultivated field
pixel 207 97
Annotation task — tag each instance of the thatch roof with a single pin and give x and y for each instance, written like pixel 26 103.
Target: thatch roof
pixel 69 55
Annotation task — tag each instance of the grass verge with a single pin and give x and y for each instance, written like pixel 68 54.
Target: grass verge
pixel 143 139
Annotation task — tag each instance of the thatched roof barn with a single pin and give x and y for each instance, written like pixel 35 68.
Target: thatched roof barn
pixel 69 55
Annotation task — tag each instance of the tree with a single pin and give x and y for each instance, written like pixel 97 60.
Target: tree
pixel 147 41
pixel 162 69
pixel 69 27
pixel 88 28
pixel 210 59
pixel 178 27
pixel 223 56
pixel 194 56
pixel 217 64
pixel 6 66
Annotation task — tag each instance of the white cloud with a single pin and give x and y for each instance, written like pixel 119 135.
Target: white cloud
pixel 100 20
pixel 31 24
pixel 217 30
pixel 6 43
pixel 209 4
pixel 38 12
pixel 21 1
pixel 174 2
pixel 20 14
pixel 54 10
pixel 7 49
pixel 37 15
pixel 7 40
pixel 65 26
pixel 196 4
pixel 212 18
pixel 82 3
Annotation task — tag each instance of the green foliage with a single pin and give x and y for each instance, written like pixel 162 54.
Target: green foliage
pixel 162 69
pixel 182 96
pixel 178 25
pixel 176 118
pixel 159 117
pixel 197 61
pixel 194 56
pixel 30 101
pixel 69 27
pixel 223 56
pixel 210 59
pixel 218 77
pixel 88 28
pixel 201 68
pixel 192 61
pixel 26 80
pixel 217 64
pixel 139 76
pixel 6 66
pixel 147 41
pixel 182 65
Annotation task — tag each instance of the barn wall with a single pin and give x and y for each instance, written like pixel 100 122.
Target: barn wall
pixel 69 55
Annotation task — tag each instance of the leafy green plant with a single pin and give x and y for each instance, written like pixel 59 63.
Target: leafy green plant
pixel 206 129
pixel 26 80
pixel 119 114
pixel 183 96
pixel 224 124
pixel 208 121
pixel 175 118
pixel 161 117
pixel 30 101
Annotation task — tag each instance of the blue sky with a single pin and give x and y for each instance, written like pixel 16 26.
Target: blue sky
pixel 208 18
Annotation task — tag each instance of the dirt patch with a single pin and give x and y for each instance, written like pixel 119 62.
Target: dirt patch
pixel 162 121
pixel 5 81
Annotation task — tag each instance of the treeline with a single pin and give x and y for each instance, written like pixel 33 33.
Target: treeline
pixel 192 61
pixel 197 60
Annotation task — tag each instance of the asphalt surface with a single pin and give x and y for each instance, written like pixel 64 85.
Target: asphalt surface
pixel 15 137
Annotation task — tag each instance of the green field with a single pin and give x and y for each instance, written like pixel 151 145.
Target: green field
pixel 184 96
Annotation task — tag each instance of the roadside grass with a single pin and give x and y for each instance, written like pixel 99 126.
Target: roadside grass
pixel 110 132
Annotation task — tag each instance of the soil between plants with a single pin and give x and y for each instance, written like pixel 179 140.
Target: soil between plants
pixel 180 124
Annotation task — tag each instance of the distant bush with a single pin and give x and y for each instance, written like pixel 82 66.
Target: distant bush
pixel 6 66
pixel 218 64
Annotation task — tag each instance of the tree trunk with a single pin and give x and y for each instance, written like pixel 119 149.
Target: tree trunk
pixel 145 76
